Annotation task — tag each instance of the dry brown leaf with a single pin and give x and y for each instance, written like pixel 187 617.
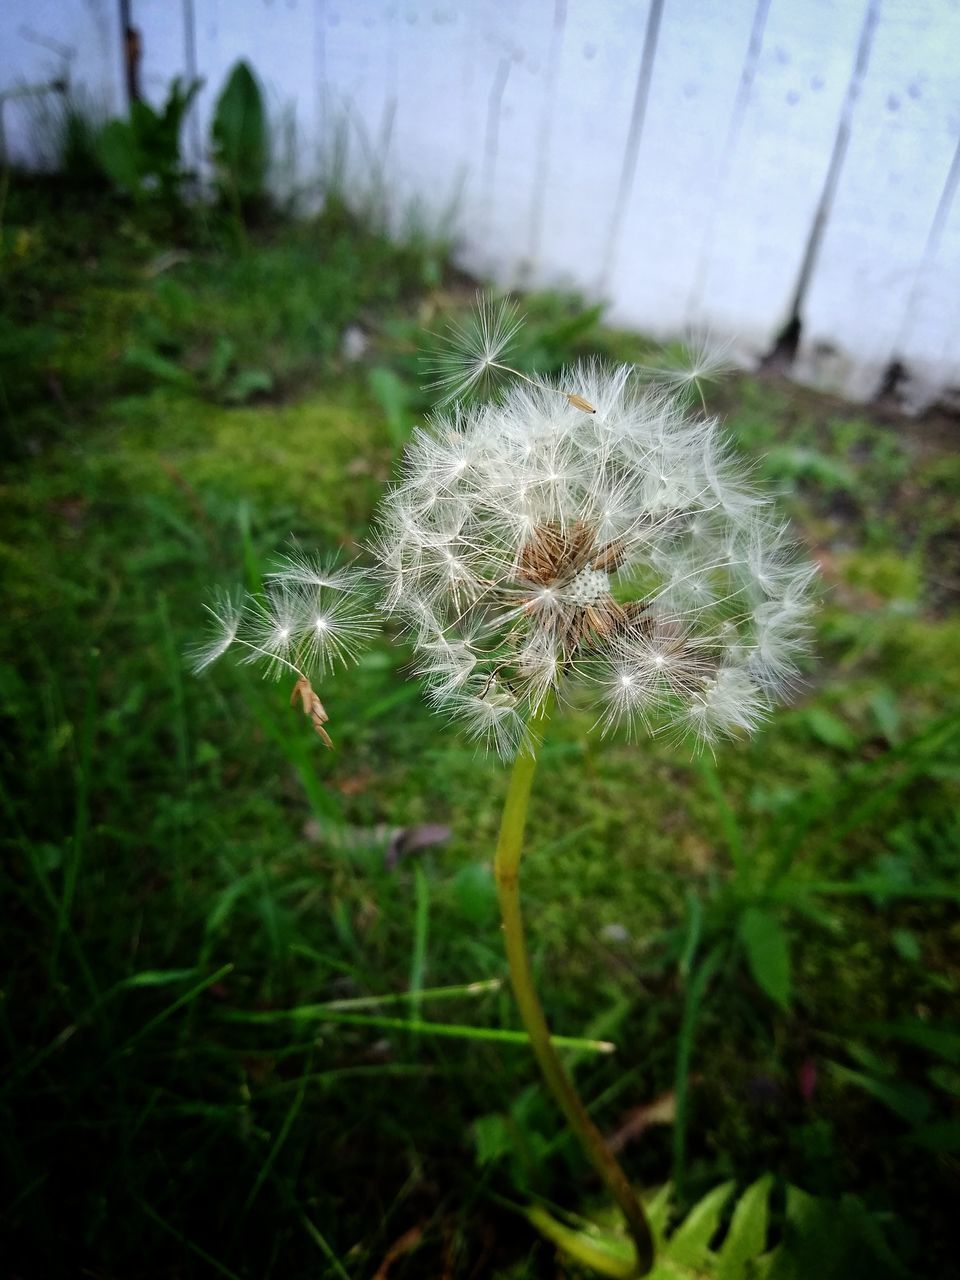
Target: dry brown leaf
pixel 662 1110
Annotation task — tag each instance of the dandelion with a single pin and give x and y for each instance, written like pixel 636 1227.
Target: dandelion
pixel 590 538
pixel 620 553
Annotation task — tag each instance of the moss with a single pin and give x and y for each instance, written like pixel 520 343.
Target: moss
pixel 893 578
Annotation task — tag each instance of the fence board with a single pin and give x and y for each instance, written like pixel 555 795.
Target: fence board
pixel 729 166
pixel 45 40
pixel 775 176
pixel 360 61
pixel 679 164
pixel 596 80
pixel 929 342
pixel 511 46
pixel 904 133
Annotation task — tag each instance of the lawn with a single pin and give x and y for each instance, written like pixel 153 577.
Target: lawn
pixel 222 941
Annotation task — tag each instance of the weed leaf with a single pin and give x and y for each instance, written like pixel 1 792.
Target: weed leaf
pixel 768 953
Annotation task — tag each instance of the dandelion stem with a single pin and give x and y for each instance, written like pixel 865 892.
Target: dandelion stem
pixel 577 401
pixel 506 368
pixel 507 873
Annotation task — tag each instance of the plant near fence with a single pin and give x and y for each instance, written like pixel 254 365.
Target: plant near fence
pixel 240 141
pixel 141 155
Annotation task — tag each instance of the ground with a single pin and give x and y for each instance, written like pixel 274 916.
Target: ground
pixel 769 938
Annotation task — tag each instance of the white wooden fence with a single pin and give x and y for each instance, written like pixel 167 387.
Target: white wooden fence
pixel 749 167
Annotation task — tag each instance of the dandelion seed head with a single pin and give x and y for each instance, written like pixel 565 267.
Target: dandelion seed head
pixel 588 537
pixel 619 553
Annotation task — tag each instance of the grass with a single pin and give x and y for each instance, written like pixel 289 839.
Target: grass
pixel 196 891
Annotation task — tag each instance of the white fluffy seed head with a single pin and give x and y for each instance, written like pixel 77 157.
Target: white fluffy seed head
pixel 619 551
pixel 594 533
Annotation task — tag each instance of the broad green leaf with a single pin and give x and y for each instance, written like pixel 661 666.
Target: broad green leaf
pixel 886 712
pixel 797 461
pixel 247 383
pixel 120 156
pixel 392 394
pixel 605 1255
pixel 747 1237
pixel 831 1240
pixel 946 1078
pixel 942 1135
pixel 689 1245
pixel 866 1057
pixel 474 893
pixel 906 944
pixel 830 729
pixel 658 1211
pixel 938 1040
pixel 768 953
pixel 822 1239
pixel 905 1100
pixel 159 367
pixel 240 134
pixel 492 1138
pixel 221 358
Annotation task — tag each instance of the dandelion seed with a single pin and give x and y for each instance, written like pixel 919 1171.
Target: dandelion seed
pixel 271 628
pixel 313 616
pixel 312 707
pixel 472 351
pixel 703 359
pixel 580 402
pixel 298 569
pixel 225 613
pixel 334 626
pixel 472 355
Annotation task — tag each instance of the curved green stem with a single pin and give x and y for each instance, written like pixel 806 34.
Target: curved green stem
pixel 507 873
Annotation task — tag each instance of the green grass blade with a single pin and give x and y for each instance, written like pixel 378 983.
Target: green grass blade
pixel 691 939
pixel 187 1242
pixel 322 1013
pixel 171 1009
pixel 428 993
pixel 693 998
pixel 877 886
pixel 418 961
pixel 81 822
pixel 282 1134
pixel 148 978
pixel 728 818
pixel 324 1248
pixel 181 732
